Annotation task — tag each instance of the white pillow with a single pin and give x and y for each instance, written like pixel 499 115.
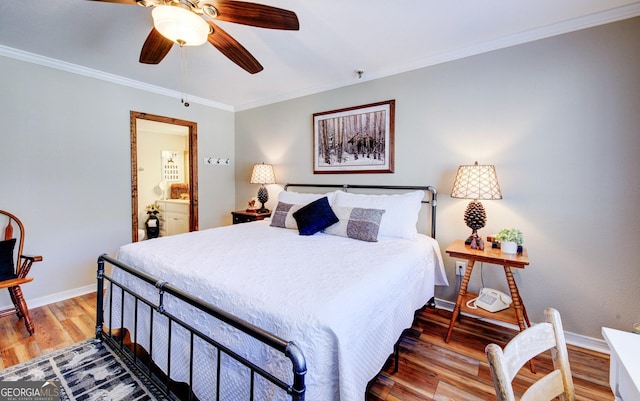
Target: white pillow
pixel 401 210
pixel 298 198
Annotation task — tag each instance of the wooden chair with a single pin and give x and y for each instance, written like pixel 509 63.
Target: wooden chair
pixel 505 364
pixel 14 267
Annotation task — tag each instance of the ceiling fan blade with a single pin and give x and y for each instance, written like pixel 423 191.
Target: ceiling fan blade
pixel 233 49
pixel 155 48
pixel 253 14
pixel 119 1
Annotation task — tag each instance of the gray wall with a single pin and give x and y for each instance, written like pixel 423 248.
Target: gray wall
pixel 64 146
pixel 560 120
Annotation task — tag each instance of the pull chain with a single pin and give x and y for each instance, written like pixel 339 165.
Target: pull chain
pixel 184 76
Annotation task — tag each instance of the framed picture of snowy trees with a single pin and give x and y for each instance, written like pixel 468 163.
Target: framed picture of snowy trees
pixel 354 140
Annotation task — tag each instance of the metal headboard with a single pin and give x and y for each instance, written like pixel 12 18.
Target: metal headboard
pixel 431 191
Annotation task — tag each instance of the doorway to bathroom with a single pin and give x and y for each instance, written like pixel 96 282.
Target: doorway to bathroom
pixel 164 173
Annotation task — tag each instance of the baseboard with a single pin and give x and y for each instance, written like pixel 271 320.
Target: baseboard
pixel 57 297
pixel 594 344
pixel 578 340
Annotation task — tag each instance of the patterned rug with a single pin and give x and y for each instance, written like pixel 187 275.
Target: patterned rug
pixel 86 372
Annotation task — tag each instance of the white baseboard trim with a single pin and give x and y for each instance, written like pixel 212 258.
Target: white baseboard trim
pixel 578 340
pixel 57 297
pixel 593 344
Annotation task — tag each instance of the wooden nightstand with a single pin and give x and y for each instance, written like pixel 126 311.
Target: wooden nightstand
pixel 242 216
pixel 516 313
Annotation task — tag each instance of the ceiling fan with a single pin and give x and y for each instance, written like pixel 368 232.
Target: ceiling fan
pixel 199 15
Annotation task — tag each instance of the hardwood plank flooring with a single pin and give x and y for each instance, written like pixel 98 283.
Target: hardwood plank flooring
pixel 56 326
pixel 430 369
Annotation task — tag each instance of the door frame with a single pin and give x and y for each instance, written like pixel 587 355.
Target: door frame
pixel 193 167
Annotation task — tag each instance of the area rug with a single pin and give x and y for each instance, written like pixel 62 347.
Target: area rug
pixel 86 371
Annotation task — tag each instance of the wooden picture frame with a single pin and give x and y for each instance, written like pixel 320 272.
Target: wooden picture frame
pixel 354 140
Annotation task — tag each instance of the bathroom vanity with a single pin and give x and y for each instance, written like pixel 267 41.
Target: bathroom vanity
pixel 174 216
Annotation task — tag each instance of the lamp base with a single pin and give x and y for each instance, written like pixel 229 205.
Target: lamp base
pixel 475 218
pixel 262 208
pixel 474 241
pixel 263 197
pixel 474 234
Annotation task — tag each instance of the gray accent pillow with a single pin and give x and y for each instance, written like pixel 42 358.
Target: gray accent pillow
pixel 357 223
pixel 282 216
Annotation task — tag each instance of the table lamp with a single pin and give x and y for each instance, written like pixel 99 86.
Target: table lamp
pixel 476 182
pixel 263 174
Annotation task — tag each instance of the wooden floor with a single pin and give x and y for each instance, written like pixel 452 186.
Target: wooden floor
pixel 430 369
pixel 56 326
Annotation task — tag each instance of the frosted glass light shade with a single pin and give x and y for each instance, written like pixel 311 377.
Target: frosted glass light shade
pixel 263 174
pixel 180 25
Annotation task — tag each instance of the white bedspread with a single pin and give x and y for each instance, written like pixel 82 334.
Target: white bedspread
pixel 343 302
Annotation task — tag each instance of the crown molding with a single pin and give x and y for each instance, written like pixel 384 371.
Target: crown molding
pixel 588 21
pixel 105 76
pixel 576 24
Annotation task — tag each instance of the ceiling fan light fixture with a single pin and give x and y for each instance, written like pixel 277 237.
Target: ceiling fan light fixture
pixel 180 25
pixel 210 10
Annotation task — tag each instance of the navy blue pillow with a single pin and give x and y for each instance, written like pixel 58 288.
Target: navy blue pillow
pixel 314 217
pixel 6 259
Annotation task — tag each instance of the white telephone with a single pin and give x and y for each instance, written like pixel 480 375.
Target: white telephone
pixel 491 300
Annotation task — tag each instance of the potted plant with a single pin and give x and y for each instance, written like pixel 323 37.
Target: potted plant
pixel 509 239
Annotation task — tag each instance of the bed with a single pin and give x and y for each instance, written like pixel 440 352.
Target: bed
pixel 341 295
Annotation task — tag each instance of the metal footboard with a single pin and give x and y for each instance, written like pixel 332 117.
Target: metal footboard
pixel 296 389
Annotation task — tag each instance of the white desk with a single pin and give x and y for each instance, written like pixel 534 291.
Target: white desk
pixel 624 374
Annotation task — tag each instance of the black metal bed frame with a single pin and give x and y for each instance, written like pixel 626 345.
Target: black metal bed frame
pixel 296 389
